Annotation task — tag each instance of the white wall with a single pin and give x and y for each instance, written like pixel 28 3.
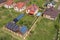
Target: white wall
pixel 21 9
pixel 36 12
pixel 7 6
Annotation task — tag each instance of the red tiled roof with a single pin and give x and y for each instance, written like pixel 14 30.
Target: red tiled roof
pixel 32 8
pixel 9 2
pixel 31 12
pixel 20 4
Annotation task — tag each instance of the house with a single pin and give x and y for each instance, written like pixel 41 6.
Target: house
pixel 2 2
pixel 20 6
pixel 9 4
pixel 32 9
pixel 50 13
pixel 50 4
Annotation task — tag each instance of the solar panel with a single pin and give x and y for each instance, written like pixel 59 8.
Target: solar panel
pixel 15 28
pixel 12 26
pixel 23 29
pixel 7 24
pixel 18 18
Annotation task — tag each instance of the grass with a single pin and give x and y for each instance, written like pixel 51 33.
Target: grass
pixel 37 2
pixel 44 30
pixel 27 20
pixel 5 36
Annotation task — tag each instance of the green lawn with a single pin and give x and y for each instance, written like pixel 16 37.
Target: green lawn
pixel 27 20
pixel 44 30
pixel 5 36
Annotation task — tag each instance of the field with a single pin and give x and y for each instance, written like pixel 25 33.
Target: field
pixel 44 30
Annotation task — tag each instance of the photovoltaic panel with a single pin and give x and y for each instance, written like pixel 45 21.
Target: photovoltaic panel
pixel 13 25
pixel 15 28
pixel 10 25
pixel 7 24
pixel 23 29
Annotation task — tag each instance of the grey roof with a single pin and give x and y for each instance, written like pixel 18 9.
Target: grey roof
pixel 51 12
pixel 1 1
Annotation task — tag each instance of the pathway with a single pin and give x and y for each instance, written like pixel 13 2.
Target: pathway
pixel 33 26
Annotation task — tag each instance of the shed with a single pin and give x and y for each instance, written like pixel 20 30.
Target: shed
pixel 38 14
pixel 23 29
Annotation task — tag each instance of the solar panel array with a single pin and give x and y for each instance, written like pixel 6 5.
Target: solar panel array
pixel 18 18
pixel 12 26
pixel 23 29
pixel 15 28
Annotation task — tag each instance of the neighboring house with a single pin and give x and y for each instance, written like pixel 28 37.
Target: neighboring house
pixel 20 6
pixel 9 4
pixel 50 4
pixel 32 9
pixel 2 2
pixel 50 13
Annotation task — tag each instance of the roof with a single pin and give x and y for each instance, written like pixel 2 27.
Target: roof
pixel 38 14
pixel 20 4
pixel 32 8
pixel 9 2
pixel 23 29
pixel 51 12
pixel 18 18
pixel 2 1
pixel 12 26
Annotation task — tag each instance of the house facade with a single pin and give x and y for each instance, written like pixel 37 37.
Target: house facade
pixel 50 13
pixel 32 9
pixel 20 6
pixel 9 4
